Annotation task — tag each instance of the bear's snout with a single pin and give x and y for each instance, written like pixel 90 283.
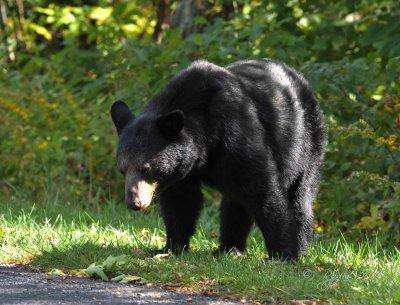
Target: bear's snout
pixel 132 202
pixel 140 195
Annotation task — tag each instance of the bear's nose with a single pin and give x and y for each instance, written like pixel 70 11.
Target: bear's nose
pixel 133 206
pixel 132 202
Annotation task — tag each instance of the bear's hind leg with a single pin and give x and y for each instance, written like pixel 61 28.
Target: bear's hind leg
pixel 278 226
pixel 302 194
pixel 235 226
pixel 181 206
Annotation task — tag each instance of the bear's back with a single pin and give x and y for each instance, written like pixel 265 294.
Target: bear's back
pixel 286 107
pixel 276 98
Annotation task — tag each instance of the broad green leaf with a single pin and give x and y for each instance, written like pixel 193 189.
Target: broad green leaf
pixel 112 261
pixel 44 10
pixel 56 272
pixel 101 14
pixel 134 279
pixel 40 30
pixel 95 270
pixel 118 278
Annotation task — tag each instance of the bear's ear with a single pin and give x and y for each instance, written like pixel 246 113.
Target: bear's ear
pixel 121 115
pixel 171 123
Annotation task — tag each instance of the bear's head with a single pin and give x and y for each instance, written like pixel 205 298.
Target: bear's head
pixel 154 152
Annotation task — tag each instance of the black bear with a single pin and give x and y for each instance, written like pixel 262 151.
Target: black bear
pixel 253 130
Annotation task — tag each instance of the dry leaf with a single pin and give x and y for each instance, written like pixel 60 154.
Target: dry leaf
pixel 334 285
pixel 303 302
pixel 139 252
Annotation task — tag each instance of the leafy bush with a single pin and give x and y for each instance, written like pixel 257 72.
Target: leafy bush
pixel 57 139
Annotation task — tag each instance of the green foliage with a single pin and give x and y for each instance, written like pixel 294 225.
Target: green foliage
pixel 58 141
pixel 102 26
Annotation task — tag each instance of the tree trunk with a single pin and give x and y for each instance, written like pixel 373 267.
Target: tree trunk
pixel 163 19
pixel 4 29
pixel 17 27
pixel 186 10
pixel 20 6
pixel 230 7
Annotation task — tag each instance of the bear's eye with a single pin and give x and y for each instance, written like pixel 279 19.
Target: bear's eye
pixel 145 170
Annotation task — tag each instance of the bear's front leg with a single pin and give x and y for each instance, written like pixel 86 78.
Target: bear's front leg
pixel 235 226
pixel 180 206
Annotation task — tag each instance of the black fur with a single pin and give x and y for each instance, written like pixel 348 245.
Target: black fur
pixel 253 130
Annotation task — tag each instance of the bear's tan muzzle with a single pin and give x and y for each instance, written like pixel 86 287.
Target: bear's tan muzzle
pixel 140 194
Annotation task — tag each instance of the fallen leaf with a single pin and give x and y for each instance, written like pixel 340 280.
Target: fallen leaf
pixel 303 302
pixel 134 279
pixel 56 272
pixel 118 278
pixel 215 235
pixel 334 285
pixel 139 252
pixel 166 285
pixel 162 255
pixel 96 271
pixel 113 261
pixel 178 277
pixel 206 281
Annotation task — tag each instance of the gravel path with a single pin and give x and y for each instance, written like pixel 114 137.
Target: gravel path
pixel 24 286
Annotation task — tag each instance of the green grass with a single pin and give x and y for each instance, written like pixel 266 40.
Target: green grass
pixel 69 238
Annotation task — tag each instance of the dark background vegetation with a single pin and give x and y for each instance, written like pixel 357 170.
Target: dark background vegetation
pixel 64 62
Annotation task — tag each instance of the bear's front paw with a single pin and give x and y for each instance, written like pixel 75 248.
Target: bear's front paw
pixel 176 250
pixel 179 249
pixel 285 255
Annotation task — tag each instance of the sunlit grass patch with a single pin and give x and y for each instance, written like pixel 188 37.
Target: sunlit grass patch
pixel 55 237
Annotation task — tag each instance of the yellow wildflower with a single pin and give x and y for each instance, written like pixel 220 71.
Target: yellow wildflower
pixel 391 142
pixel 43 145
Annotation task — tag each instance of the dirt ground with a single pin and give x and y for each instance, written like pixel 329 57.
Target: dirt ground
pixel 24 286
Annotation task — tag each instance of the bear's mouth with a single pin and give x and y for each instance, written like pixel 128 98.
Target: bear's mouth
pixel 142 194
